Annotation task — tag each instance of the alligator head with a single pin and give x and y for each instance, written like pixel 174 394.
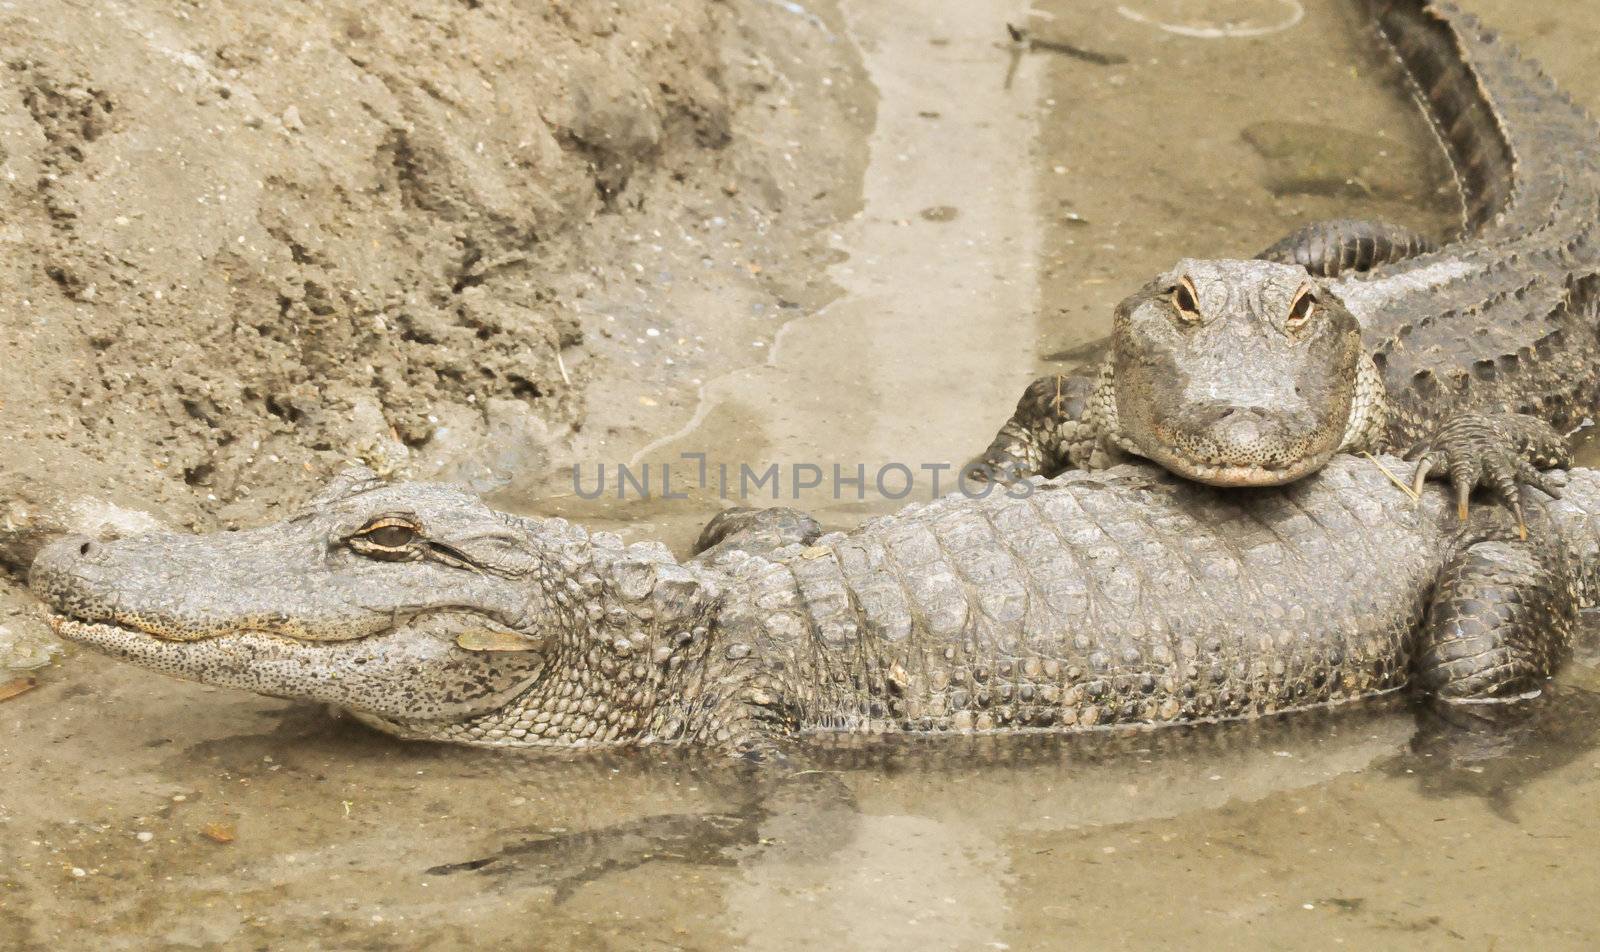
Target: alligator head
pixel 414 606
pixel 1236 373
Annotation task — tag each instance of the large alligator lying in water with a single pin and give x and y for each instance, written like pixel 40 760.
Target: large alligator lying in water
pixel 1092 600
pixel 1356 336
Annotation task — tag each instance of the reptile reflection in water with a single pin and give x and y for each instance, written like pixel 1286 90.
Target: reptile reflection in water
pixel 812 813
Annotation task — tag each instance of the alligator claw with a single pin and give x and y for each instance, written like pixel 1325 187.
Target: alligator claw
pixel 1424 467
pixel 1001 473
pixel 1529 475
pixel 1047 433
pixel 1502 452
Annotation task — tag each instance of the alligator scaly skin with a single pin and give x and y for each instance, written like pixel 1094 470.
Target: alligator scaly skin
pixel 1126 596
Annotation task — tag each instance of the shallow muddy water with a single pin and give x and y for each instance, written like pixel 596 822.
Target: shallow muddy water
pixel 1013 197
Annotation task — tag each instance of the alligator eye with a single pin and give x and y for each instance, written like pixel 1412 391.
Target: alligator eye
pixel 388 534
pixel 1185 301
pixel 392 537
pixel 1302 308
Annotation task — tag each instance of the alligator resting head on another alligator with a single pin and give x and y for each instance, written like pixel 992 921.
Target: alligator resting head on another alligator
pixel 1092 600
pixel 1236 373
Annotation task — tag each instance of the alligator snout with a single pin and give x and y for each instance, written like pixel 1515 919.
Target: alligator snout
pixel 65 574
pixel 1233 434
pixel 1228 444
pixel 189 588
pixel 67 549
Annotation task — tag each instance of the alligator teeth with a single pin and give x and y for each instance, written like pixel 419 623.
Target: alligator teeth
pixel 73 630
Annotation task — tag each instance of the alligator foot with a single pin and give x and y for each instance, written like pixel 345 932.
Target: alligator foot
pixel 1331 248
pixel 1500 622
pixel 1049 432
pixel 1499 450
pixel 756 531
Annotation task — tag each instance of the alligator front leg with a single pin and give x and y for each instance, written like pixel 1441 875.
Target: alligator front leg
pixel 1052 430
pixel 1500 622
pixel 1501 451
pixel 756 531
pixel 1331 248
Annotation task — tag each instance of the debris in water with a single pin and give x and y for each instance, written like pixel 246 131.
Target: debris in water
pixel 1305 158
pixel 218 832
pixel 1024 37
pixel 16 686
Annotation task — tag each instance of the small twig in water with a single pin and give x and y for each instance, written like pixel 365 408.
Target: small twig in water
pixel 1032 44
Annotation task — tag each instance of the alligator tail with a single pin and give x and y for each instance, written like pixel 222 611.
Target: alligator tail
pixel 1475 90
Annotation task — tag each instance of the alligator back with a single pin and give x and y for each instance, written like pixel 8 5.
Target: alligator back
pixel 1504 317
pixel 1115 597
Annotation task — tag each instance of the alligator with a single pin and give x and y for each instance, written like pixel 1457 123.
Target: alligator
pixel 1093 600
pixel 1353 336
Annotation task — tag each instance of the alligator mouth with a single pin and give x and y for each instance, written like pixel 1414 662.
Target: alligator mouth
pixel 108 632
pixel 95 632
pixel 102 629
pixel 1238 474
